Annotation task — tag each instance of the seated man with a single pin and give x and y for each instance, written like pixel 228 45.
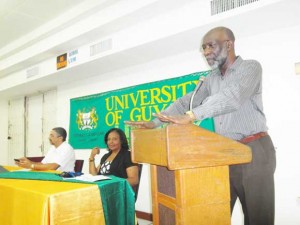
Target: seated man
pixel 61 155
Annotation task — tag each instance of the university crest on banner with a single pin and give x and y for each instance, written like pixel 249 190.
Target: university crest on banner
pixel 92 116
pixel 87 119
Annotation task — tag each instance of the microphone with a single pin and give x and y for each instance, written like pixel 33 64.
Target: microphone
pixel 201 79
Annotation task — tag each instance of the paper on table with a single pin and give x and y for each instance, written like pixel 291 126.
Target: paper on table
pixel 21 170
pixel 91 178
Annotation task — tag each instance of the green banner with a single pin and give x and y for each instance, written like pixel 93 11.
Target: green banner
pixel 92 116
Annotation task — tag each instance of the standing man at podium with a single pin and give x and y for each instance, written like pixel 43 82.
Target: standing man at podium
pixel 232 95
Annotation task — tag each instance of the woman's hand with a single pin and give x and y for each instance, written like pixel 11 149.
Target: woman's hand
pixel 95 151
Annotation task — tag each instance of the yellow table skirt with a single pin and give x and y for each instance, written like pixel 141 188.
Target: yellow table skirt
pixel 35 202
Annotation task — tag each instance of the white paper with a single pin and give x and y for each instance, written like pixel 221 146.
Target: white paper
pixel 91 178
pixel 21 170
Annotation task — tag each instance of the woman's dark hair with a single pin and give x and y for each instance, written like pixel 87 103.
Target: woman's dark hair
pixel 61 132
pixel 123 139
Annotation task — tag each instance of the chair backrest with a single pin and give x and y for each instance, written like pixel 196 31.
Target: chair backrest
pixel 78 165
pixel 136 187
pixel 36 158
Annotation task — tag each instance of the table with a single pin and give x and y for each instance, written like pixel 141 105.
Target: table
pixel 45 198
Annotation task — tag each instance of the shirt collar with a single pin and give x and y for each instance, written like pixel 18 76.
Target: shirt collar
pixel 238 61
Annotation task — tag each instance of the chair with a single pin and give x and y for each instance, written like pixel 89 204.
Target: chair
pixel 78 163
pixel 36 158
pixel 136 187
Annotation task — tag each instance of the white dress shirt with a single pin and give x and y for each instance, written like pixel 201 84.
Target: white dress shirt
pixel 63 155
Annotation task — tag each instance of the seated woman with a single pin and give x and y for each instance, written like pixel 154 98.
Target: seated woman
pixel 117 161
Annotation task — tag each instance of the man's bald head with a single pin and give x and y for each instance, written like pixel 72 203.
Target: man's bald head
pixel 221 33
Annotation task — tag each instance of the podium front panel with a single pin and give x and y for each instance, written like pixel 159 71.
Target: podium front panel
pixel 166 181
pixel 201 196
pixel 166 215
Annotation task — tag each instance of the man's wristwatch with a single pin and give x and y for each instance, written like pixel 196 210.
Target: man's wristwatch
pixel 191 115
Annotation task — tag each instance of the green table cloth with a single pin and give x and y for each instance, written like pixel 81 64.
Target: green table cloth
pixel 117 196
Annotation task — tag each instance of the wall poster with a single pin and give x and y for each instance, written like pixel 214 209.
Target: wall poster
pixel 92 116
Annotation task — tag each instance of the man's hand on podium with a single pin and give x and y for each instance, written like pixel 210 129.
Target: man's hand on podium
pixel 177 119
pixel 140 124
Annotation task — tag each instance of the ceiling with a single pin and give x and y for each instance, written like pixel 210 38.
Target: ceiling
pixel 36 30
pixel 20 17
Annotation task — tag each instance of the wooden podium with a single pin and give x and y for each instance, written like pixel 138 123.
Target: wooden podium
pixel 189 173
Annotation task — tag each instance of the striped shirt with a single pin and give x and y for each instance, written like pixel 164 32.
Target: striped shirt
pixel 234 100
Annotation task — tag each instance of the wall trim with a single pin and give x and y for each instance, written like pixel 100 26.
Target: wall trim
pixel 144 215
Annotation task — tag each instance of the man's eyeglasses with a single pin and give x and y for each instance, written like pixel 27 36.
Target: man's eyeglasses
pixel 212 45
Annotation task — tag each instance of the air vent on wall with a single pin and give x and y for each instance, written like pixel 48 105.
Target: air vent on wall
pixel 32 72
pixel 219 6
pixel 101 47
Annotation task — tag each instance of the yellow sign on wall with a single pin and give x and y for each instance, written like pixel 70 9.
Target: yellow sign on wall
pixel 62 61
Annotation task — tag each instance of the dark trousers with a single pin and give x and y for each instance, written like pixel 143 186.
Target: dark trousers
pixel 253 184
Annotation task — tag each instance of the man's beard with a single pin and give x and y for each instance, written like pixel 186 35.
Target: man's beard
pixel 220 59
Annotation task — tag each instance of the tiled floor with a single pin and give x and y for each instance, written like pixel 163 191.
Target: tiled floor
pixel 144 222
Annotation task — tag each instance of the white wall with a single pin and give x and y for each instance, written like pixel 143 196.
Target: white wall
pixel 3 132
pixel 278 51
